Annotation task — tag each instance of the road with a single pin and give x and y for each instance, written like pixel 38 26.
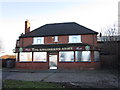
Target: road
pixel 0 79
pixel 84 79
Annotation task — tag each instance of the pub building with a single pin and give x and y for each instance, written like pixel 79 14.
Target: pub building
pixel 63 46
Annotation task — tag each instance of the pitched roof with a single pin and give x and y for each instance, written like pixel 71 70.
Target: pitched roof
pixel 58 29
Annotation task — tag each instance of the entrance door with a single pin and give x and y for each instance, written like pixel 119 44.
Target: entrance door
pixel 52 61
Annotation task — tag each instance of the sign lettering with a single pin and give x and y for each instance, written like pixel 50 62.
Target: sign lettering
pixel 52 49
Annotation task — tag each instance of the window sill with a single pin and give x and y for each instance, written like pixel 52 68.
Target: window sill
pixel 74 42
pixel 66 61
pixel 39 61
pixel 25 61
pixel 83 61
pixel 38 44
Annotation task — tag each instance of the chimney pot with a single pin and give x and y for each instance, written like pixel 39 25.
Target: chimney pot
pixel 27 26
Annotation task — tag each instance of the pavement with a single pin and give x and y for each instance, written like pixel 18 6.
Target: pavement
pixel 81 78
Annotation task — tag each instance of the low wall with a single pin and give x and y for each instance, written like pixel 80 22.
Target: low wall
pixel 32 65
pixel 79 65
pixel 61 65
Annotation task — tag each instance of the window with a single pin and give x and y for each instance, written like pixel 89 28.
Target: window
pixel 18 43
pixel 16 57
pixel 86 56
pixel 75 39
pixel 25 56
pixel 66 56
pixel 40 56
pixel 56 39
pixel 96 56
pixel 82 56
pixel 38 40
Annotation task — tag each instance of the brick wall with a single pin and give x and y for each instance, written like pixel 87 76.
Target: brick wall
pixel 61 65
pixel 61 39
pixel 49 40
pixel 26 41
pixel 32 65
pixel 90 39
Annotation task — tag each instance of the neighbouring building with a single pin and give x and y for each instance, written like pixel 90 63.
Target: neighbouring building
pixel 8 61
pixel 63 46
pixel 109 51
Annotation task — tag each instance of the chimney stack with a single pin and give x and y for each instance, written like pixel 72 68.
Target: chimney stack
pixel 27 26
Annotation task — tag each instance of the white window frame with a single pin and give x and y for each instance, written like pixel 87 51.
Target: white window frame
pixel 18 43
pixel 55 38
pixel 75 36
pixel 66 58
pixel 17 57
pixel 36 40
pixel 40 60
pixel 85 56
pixel 23 57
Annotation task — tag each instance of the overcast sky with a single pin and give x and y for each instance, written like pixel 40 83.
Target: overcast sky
pixel 94 14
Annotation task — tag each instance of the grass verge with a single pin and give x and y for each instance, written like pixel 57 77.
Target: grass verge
pixel 29 84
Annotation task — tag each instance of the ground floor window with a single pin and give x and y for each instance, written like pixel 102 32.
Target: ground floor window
pixel 25 56
pixel 66 56
pixel 40 56
pixel 82 56
pixel 96 56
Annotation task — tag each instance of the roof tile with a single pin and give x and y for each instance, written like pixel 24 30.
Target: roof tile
pixel 57 29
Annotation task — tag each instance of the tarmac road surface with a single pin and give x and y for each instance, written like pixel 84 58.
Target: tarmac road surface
pixel 83 78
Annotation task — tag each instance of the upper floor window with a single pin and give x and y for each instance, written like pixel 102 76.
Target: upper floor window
pixel 56 39
pixel 17 43
pixel 75 39
pixel 38 40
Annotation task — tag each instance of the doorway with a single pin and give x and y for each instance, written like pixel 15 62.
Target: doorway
pixel 52 61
